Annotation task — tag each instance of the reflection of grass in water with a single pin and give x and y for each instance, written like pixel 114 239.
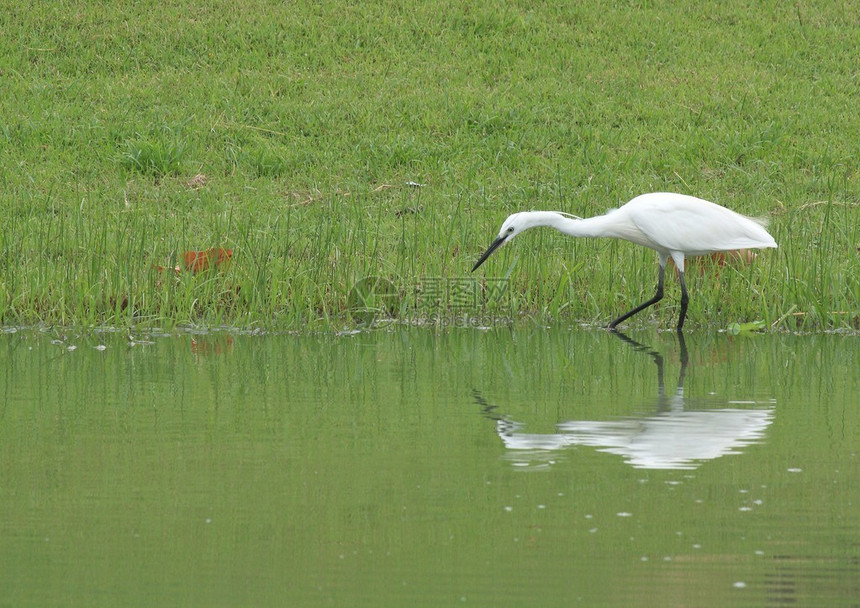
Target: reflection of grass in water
pixel 307 142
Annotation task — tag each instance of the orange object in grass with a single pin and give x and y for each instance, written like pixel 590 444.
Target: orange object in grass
pixel 197 261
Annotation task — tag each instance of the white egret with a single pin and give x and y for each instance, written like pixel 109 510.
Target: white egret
pixel 671 224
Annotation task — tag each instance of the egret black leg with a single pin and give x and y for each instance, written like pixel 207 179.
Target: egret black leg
pixel 685 358
pixel 685 299
pixel 657 297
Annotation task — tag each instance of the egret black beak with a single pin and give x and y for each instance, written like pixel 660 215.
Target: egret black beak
pixel 496 244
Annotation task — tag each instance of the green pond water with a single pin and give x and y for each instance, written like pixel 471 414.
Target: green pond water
pixel 503 467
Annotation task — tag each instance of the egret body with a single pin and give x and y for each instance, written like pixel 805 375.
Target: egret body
pixel 671 224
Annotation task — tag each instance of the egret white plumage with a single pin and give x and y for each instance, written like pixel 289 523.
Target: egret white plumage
pixel 675 225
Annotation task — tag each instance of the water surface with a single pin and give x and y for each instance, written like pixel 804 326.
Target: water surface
pixel 505 467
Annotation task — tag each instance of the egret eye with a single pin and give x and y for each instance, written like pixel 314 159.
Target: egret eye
pixel 510 229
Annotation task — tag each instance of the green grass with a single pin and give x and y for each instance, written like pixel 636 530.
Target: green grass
pixel 308 119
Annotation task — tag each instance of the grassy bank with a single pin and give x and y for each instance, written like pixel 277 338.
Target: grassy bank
pixel 130 135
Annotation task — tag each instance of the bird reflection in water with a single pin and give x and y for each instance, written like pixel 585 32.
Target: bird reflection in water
pixel 681 434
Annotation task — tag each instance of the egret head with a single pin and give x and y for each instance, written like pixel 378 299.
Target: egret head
pixel 516 223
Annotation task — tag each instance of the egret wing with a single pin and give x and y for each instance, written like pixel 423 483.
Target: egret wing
pixel 696 227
